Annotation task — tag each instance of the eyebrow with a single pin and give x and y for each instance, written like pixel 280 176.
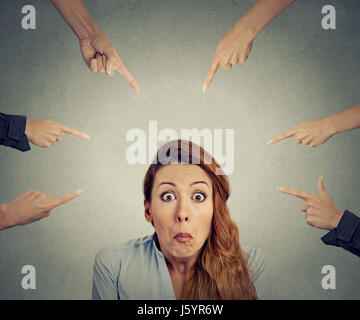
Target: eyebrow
pixel 166 182
pixel 173 184
pixel 196 182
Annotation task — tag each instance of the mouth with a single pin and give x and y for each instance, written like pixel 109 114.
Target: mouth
pixel 183 237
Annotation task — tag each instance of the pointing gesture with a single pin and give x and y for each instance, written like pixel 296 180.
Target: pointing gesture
pixel 101 56
pixel 320 211
pixel 314 133
pixel 234 48
pixel 97 51
pixel 30 206
pixel 44 133
pixel 311 133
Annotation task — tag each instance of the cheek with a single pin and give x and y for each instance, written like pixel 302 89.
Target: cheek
pixel 162 213
pixel 206 217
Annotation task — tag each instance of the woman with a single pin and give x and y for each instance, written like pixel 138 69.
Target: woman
pixel 195 251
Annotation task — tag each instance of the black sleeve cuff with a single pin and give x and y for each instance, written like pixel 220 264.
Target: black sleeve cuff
pixel 347 226
pixel 17 126
pixel 13 132
pixel 345 230
pixel 330 238
pixel 23 144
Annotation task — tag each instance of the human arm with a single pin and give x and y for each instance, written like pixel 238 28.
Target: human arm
pixel 260 271
pixel 45 133
pixel 316 132
pixel 104 278
pixel 12 132
pixel 97 51
pixel 321 212
pixel 346 234
pixel 16 132
pixel 346 120
pixel 236 45
pixel 30 206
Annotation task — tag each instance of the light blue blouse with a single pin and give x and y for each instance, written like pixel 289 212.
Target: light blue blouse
pixel 136 270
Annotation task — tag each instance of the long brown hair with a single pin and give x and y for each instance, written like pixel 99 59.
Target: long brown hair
pixel 221 270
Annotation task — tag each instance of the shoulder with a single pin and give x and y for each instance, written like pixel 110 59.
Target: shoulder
pixel 256 260
pixel 259 270
pixel 113 254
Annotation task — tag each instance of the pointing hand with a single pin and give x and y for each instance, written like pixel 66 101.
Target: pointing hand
pixel 320 211
pixel 44 133
pixel 101 56
pixel 311 133
pixel 30 206
pixel 234 48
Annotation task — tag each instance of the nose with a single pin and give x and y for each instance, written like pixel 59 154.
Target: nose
pixel 183 211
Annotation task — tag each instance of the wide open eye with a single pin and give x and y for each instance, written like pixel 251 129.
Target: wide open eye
pixel 167 196
pixel 199 196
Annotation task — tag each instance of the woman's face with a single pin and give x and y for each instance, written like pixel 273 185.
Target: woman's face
pixel 181 209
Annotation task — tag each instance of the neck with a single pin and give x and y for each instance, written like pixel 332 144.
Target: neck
pixel 180 266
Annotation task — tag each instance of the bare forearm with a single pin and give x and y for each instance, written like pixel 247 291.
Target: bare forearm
pixel 346 120
pixel 262 13
pixel 4 219
pixel 77 17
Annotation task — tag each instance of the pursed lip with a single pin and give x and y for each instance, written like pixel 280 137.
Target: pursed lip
pixel 183 236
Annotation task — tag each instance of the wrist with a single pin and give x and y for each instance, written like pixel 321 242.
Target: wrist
pixel 332 124
pixel 29 129
pixel 89 31
pixel 337 219
pixel 5 221
pixel 244 28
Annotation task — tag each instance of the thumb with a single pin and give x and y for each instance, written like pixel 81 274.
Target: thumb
pixel 110 65
pixel 321 187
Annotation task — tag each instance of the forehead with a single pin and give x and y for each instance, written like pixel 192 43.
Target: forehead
pixel 181 174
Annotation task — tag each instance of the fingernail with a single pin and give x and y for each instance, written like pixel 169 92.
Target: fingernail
pixel 280 188
pixel 270 142
pixel 204 89
pixel 80 191
pixel 109 71
pixel 86 136
pixel 136 86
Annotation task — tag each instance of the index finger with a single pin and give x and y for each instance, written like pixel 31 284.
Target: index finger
pixel 210 74
pixel 75 132
pixel 59 201
pixel 299 194
pixel 127 75
pixel 282 136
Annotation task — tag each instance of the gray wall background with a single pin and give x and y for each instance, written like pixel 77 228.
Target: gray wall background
pixel 296 72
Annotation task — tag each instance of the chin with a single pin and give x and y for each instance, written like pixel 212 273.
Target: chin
pixel 183 252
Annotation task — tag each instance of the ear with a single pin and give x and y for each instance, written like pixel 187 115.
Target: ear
pixel 148 215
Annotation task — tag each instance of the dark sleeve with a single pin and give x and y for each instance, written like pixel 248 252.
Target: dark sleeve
pixel 12 132
pixel 346 234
